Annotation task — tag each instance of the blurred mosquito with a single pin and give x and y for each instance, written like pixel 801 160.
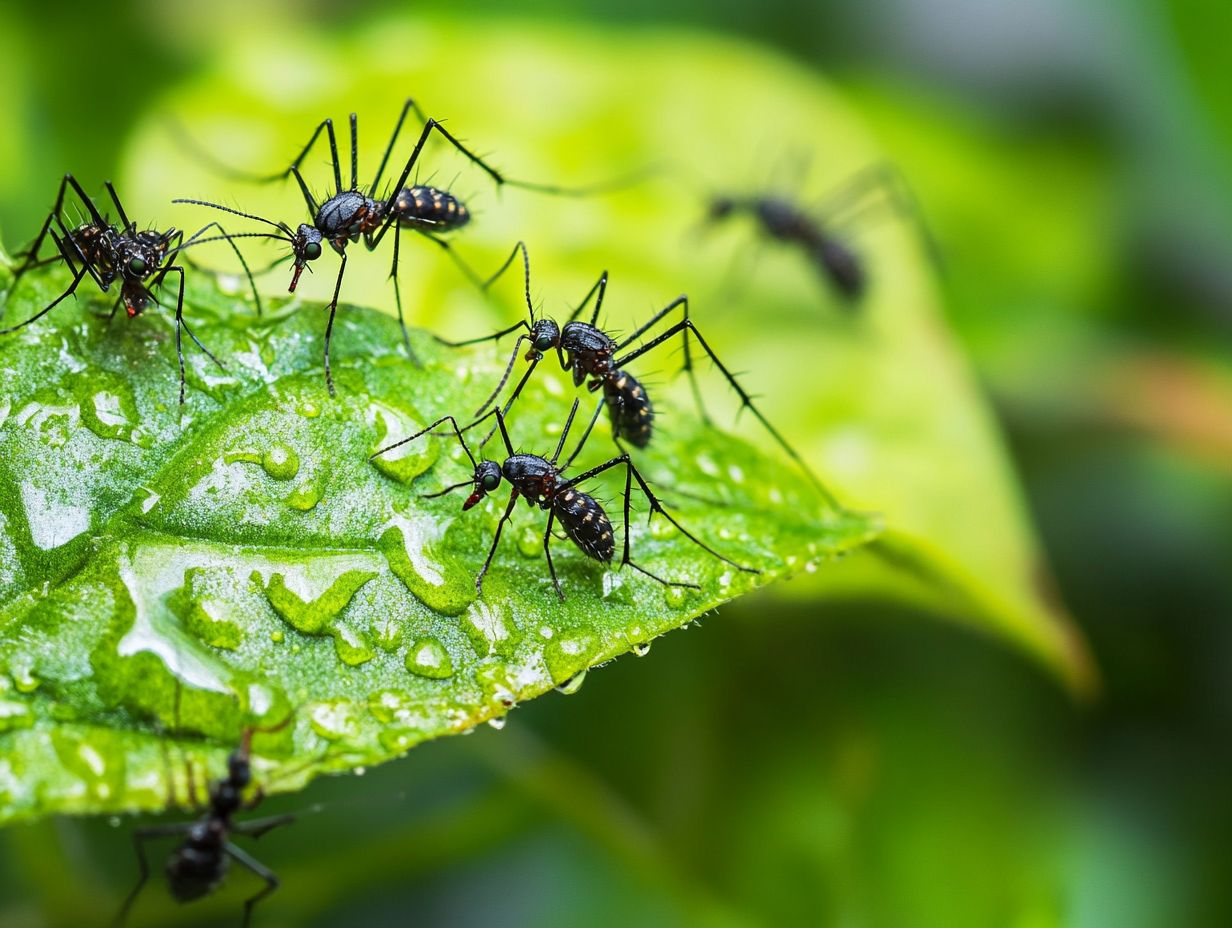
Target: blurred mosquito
pixel 823 233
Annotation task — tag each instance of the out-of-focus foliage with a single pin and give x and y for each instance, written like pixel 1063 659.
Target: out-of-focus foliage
pixel 903 773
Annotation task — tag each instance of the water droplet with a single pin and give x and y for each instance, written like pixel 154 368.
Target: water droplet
pixel 440 583
pixel 642 648
pixel 530 542
pixel 498 723
pixel 14 715
pixel 87 761
pixel 616 589
pixel 810 567
pixel 675 596
pixel 306 408
pixel 203 611
pixel 568 655
pixel 495 681
pixel 150 501
pixel 427 657
pixel 54 515
pixel 360 771
pixel 277 636
pixel 396 740
pixel 280 462
pixel 489 629
pixel 352 648
pixel 334 719
pixel 24 679
pixel 306 496
pixel 573 684
pixel 110 413
pixel 405 462
pixel 314 616
pixel 387 633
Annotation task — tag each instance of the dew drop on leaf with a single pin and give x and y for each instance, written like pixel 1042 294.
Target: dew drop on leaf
pixel 573 684
pixel 280 462
pixel 427 657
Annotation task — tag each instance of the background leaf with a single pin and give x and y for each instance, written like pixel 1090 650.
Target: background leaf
pixel 880 399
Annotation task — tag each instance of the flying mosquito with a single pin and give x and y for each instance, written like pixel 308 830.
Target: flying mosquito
pixel 823 233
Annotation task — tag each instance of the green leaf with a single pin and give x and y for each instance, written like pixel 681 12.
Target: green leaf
pixel 880 400
pixel 170 575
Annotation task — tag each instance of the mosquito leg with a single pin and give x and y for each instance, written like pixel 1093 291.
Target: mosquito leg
pixel 513 498
pixel 547 550
pixel 393 272
pixel 264 872
pixel 140 836
pixel 329 326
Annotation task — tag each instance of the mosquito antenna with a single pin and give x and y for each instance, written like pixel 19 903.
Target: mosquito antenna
pixel 564 433
pixel 447 490
pixel 225 238
pixel 282 226
pixel 450 419
pixel 513 359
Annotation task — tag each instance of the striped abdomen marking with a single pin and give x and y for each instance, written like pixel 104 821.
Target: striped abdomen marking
pixel 431 209
pixel 630 409
pixel 585 523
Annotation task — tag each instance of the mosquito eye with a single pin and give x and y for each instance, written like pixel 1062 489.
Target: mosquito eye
pixel 491 482
pixel 544 342
pixel 312 251
pixel 137 265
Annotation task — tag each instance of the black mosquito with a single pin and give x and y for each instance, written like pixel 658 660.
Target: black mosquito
pixel 198 866
pixel 823 234
pixel 355 214
pixel 541 482
pixel 595 358
pixel 140 259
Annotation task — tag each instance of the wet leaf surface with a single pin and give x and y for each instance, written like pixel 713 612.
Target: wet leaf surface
pixel 170 575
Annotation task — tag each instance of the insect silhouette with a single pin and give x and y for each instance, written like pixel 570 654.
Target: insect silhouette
pixel 597 359
pixel 199 865
pixel 354 214
pixel 140 259
pixel 824 234
pixel 541 482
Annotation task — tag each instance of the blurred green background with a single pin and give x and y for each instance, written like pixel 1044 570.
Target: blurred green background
pixel 851 765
